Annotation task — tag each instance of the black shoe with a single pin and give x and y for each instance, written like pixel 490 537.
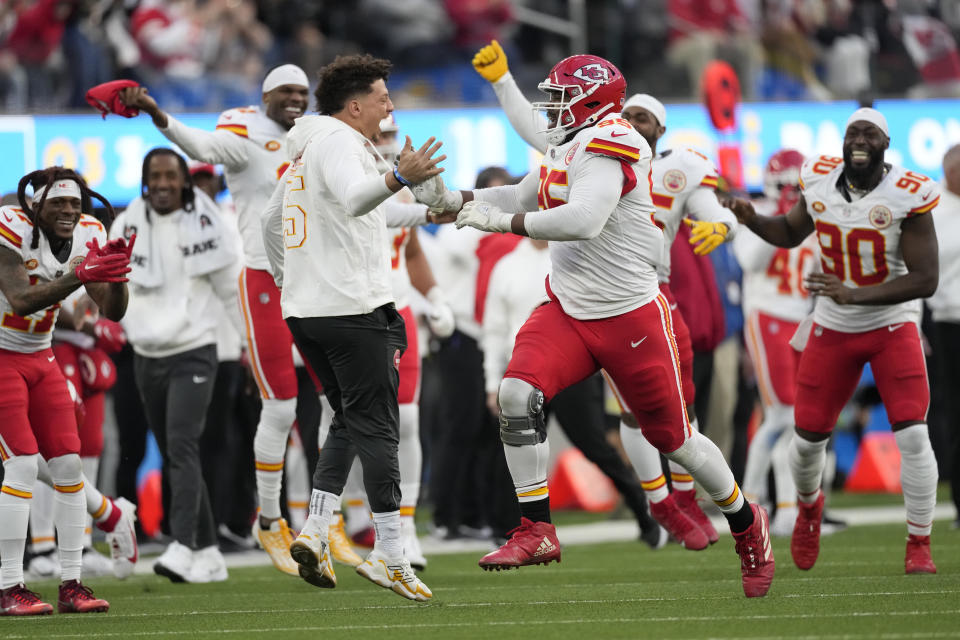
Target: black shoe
pixel 653 534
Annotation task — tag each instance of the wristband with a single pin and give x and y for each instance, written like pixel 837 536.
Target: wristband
pixel 400 178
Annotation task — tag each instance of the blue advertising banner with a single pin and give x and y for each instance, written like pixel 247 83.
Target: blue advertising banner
pixel 109 152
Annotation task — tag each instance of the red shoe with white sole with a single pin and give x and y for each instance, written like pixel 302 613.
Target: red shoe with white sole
pixel 530 543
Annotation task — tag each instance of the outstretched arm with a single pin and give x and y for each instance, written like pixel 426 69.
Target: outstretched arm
pixel 783 231
pixel 26 298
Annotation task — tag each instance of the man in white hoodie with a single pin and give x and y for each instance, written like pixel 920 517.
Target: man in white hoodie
pixel 326 238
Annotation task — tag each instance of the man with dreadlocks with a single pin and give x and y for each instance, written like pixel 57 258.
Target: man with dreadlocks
pixel 47 250
pixel 184 270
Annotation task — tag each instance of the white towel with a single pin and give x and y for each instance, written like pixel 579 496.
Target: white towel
pixel 203 238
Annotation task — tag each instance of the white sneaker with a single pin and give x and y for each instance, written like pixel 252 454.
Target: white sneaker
pixel 123 539
pixel 411 544
pixel 783 520
pixel 94 564
pixel 175 562
pixel 208 566
pixel 312 554
pixel 45 567
pixel 395 574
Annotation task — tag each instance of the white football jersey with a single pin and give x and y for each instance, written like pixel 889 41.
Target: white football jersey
pixel 399 238
pixel 252 182
pixel 676 174
pixel 35 332
pixel 860 241
pixel 614 272
pixel 773 277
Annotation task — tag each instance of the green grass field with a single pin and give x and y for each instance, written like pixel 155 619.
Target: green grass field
pixel 615 590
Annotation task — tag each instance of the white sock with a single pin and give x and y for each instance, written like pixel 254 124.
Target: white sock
pixel 20 475
pixel 759 454
pixel 69 512
pixel 409 454
pixel 806 463
pixel 298 480
pixel 269 446
pixel 322 504
pixel 782 475
pixel 387 526
pixel 646 462
pixel 918 477
pixel 528 468
pixel 42 534
pixel 90 467
pixel 702 458
pixel 680 478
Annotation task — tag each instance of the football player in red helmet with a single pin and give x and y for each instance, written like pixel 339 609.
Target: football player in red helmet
pixel 781 177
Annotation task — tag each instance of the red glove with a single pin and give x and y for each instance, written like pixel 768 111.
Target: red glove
pixel 110 335
pixel 100 267
pixel 106 98
pixel 120 246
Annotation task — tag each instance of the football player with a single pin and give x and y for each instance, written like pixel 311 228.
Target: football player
pixel 682 183
pixel 250 144
pixel 48 249
pixel 879 258
pixel 592 197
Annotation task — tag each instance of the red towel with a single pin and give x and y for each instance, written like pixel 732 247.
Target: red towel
pixel 106 98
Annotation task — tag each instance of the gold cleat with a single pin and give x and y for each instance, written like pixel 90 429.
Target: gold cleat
pixel 276 542
pixel 340 547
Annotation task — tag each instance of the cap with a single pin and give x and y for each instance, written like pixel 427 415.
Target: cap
pixel 651 104
pixel 285 74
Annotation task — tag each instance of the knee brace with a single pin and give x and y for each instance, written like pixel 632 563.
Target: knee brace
pixel 521 413
pixel 20 472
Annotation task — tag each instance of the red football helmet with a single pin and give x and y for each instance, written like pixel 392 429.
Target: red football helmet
pixel 582 89
pixel 783 170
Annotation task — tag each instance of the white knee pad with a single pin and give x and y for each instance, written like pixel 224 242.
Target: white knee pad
pixel 66 470
pixel 276 419
pixel 20 472
pixel 521 413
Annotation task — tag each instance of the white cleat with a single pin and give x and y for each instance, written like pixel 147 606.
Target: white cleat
pixel 312 554
pixel 94 564
pixel 123 539
pixel 276 542
pixel 44 567
pixel 176 562
pixel 411 545
pixel 395 574
pixel 208 566
pixel 782 524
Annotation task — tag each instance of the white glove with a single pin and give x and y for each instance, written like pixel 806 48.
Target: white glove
pixel 484 216
pixel 433 193
pixel 440 317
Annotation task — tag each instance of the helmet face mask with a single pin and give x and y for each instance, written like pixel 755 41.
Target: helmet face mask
pixel 581 89
pixel 782 172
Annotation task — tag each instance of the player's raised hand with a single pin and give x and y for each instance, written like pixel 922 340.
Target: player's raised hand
pixel 434 193
pixel 828 284
pixel 98 266
pixel 120 245
pixel 740 207
pixel 138 97
pixel 415 166
pixel 706 236
pixel 484 216
pixel 491 62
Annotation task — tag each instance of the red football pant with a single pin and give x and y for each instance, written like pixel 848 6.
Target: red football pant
pixel 91 428
pixel 269 342
pixel 409 390
pixel 832 362
pixel 682 334
pixel 774 360
pixel 636 349
pixel 36 410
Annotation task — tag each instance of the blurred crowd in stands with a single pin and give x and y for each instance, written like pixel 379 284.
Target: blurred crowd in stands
pixel 209 54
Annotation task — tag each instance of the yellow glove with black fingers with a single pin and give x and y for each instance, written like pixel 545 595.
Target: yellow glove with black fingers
pixel 491 62
pixel 706 236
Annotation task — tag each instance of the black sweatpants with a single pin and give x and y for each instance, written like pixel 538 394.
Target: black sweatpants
pixel 356 359
pixel 176 392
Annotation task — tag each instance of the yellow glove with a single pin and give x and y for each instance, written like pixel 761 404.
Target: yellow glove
pixel 707 236
pixel 491 62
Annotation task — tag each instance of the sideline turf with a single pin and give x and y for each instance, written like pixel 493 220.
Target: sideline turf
pixel 617 590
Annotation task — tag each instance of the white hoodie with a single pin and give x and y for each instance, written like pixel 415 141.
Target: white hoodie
pixel 945 303
pixel 324 227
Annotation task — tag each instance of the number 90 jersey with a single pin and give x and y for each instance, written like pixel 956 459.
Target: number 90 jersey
pixel 34 332
pixel 860 241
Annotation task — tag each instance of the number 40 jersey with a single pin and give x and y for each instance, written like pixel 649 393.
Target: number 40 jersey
pixel 34 332
pixel 860 240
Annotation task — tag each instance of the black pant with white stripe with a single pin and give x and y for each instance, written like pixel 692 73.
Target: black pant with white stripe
pixel 356 359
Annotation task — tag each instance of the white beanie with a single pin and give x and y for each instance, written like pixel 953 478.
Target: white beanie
pixel 285 74
pixel 874 117
pixel 651 104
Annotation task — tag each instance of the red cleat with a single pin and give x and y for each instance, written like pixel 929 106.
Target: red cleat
pixel 680 527
pixel 20 601
pixel 918 558
pixel 756 555
pixel 805 541
pixel 687 503
pixel 366 537
pixel 76 598
pixel 530 543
